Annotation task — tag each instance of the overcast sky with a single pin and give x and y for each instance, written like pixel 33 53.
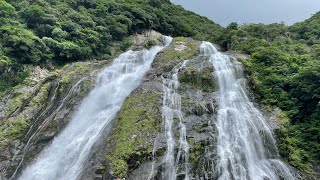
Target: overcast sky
pixel 253 11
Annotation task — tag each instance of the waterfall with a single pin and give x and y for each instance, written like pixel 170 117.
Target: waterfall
pixel 246 148
pixel 65 157
pixel 171 111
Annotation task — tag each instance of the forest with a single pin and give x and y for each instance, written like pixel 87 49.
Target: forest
pixel 283 68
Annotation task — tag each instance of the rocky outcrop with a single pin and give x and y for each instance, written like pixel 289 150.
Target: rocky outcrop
pixel 35 111
pixel 146 40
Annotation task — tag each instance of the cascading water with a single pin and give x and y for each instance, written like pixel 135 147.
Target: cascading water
pixel 245 144
pixel 64 158
pixel 171 111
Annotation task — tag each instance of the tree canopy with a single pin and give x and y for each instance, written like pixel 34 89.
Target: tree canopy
pixel 42 32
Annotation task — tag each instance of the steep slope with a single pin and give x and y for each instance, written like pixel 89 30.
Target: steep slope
pixel 35 111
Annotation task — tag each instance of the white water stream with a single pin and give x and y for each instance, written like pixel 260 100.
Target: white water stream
pixel 171 112
pixel 246 147
pixel 65 157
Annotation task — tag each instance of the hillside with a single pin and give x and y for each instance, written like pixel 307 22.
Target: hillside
pixel 49 33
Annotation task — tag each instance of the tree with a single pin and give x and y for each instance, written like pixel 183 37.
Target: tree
pixel 6 9
pixel 233 26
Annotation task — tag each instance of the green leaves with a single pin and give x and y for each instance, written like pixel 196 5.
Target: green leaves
pixel 76 30
pixel 308 30
pixel 21 44
pixel 6 9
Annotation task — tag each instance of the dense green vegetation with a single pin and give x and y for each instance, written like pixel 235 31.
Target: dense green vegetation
pixel 53 32
pixel 285 72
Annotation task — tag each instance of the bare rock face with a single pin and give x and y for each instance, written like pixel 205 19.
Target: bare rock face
pixel 38 74
pixel 147 39
pixel 275 118
pixel 180 46
pixel 140 39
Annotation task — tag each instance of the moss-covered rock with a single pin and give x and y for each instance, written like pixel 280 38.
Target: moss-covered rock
pixel 179 50
pixel 199 79
pixel 132 137
pixel 152 42
pixel 183 48
pixel 16 101
pixel 197 155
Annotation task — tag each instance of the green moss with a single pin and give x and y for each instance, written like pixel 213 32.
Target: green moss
pixel 101 169
pixel 16 102
pixel 137 119
pixel 198 79
pixel 40 99
pixel 119 167
pixel 15 125
pixel 13 129
pixel 170 54
pixel 85 87
pixel 150 43
pixel 197 153
pixel 198 128
pixel 176 39
pixel 78 68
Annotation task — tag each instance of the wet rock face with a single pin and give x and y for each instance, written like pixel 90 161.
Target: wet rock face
pixel 198 78
pixel 133 151
pixel 35 111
